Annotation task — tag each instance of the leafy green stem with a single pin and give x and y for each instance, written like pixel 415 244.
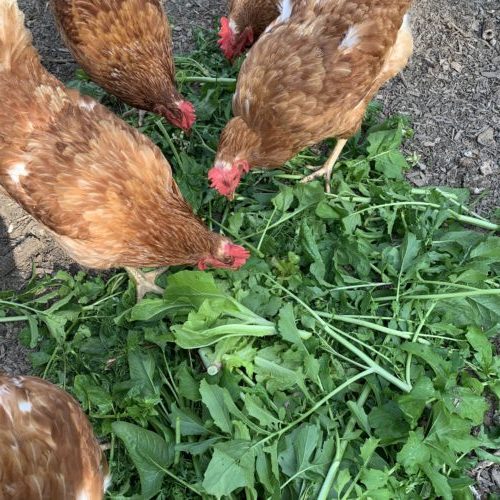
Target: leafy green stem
pixel 13 319
pixel 316 406
pixel 341 340
pixel 205 79
pixel 414 339
pixel 372 326
pixel 165 134
pixel 341 448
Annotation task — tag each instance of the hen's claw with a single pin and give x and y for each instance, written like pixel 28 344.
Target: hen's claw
pixel 145 282
pixel 326 170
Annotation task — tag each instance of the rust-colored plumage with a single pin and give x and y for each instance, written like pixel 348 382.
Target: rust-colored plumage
pixel 246 21
pixel 308 78
pixel 47 447
pixel 126 47
pixel 100 187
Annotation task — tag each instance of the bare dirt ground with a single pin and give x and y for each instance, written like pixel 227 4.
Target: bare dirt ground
pixel 451 90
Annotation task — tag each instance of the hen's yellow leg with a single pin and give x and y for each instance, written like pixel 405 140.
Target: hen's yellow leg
pixel 145 282
pixel 326 170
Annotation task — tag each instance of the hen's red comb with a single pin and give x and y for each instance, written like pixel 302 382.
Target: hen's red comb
pixel 224 181
pixel 238 253
pixel 188 115
pixel 226 38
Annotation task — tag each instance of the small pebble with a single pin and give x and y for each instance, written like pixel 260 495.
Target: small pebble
pixel 487 168
pixel 486 138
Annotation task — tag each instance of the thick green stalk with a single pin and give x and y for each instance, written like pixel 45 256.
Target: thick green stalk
pixel 414 339
pixel 13 319
pixel 371 326
pixel 316 407
pixel 341 340
pixel 334 467
pixel 465 219
pixel 205 79
pixel 442 296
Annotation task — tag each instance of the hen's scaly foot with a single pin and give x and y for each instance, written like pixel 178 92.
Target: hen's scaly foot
pixel 326 170
pixel 142 114
pixel 145 282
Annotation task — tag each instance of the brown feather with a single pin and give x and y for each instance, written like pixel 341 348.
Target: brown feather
pixel 104 190
pixel 256 14
pixel 47 446
pixel 299 85
pixel 124 45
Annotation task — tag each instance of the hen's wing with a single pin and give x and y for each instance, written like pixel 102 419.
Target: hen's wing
pixel 307 71
pixel 75 161
pixel 47 447
pixel 119 41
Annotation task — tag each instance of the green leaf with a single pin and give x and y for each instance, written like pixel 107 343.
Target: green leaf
pixel 256 409
pixel 142 371
pixel 300 446
pixel 213 398
pixel 481 344
pixel 383 149
pixel 388 412
pixel 91 394
pixel 151 309
pixel 231 467
pixel 284 199
pixel 264 473
pixel 487 249
pixel 464 402
pixel 34 332
pixel 189 388
pixel 439 482
pixel 287 327
pixel 359 414
pixel 191 424
pixel 368 449
pixel 55 325
pixel 414 453
pixel 427 353
pixel 413 404
pixel 191 288
pixel 150 454
pixel 343 478
pixel 409 251
pixel 374 479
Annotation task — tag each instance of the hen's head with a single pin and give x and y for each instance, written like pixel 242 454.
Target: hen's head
pixel 181 114
pixel 225 177
pixel 231 41
pixel 227 256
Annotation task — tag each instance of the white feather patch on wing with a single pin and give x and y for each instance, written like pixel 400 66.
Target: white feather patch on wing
pixel 86 105
pixel 83 495
pixel 286 7
pixel 285 10
pixel 107 482
pixel 351 38
pixel 17 171
pixel 24 406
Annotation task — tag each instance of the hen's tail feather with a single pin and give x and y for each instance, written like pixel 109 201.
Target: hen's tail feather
pixel 15 40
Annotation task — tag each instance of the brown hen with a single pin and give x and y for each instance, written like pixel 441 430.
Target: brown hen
pixel 247 20
pixel 126 47
pixel 47 447
pixel 308 78
pixel 103 190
